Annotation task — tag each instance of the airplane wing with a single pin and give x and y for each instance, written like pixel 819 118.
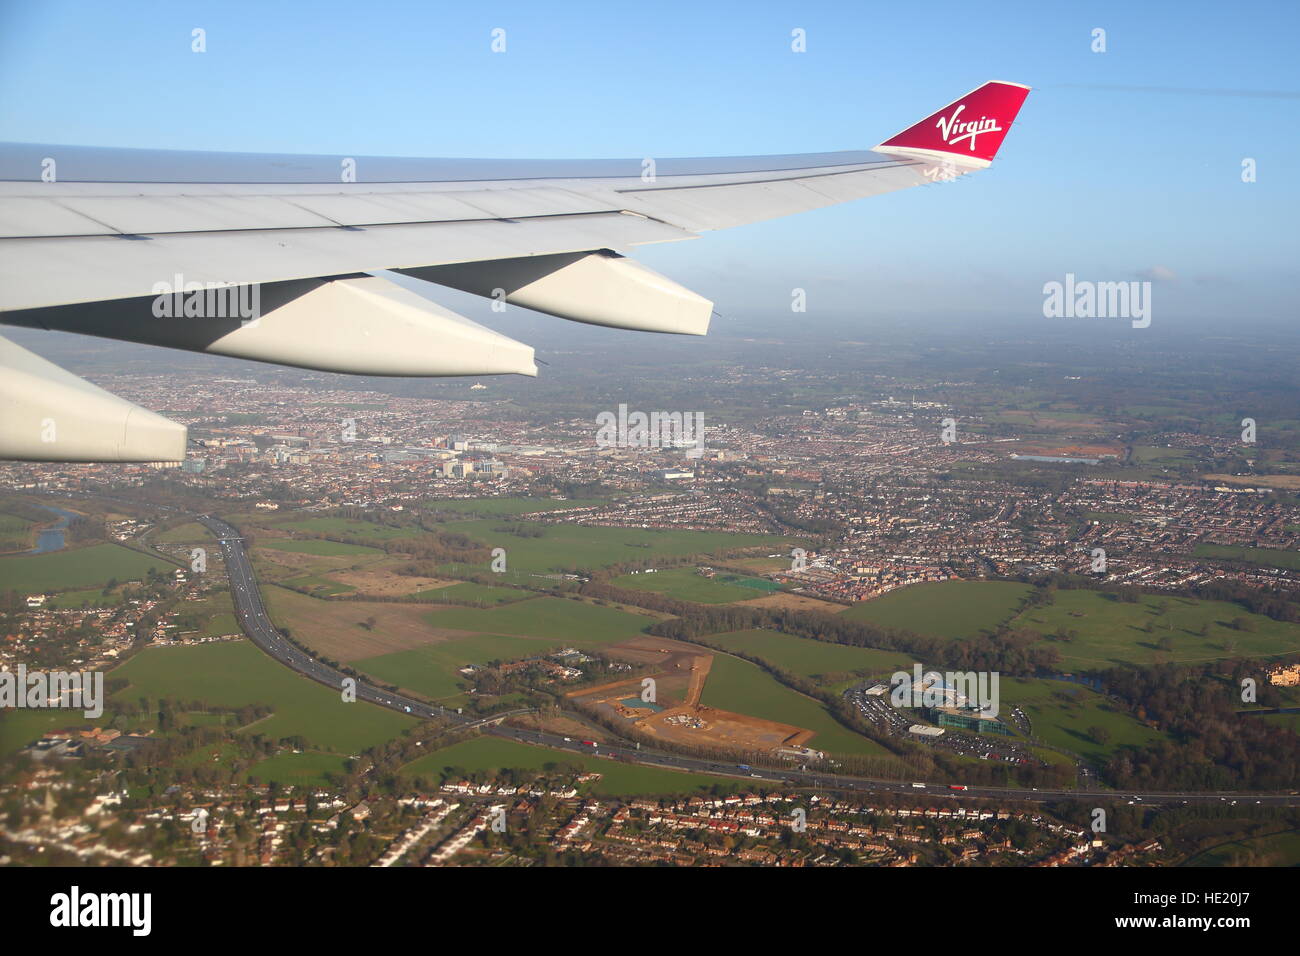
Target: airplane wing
pixel 335 262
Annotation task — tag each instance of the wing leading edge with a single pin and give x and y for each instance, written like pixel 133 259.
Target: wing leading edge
pixel 155 246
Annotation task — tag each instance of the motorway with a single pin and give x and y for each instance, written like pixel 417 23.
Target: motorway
pixel 253 619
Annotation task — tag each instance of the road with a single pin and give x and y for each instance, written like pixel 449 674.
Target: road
pixel 253 619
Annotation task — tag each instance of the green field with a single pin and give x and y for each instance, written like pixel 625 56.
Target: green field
pixel 499 507
pixel 307 769
pixel 1111 632
pixel 1158 455
pixel 742 687
pixel 547 617
pixel 16 534
pixel 492 754
pixel 348 527
pixel 76 568
pixel 944 608
pixel 432 670
pixel 316 585
pixel 809 658
pixel 87 597
pixel 1061 714
pixel 685 584
pixel 1275 849
pixel 566 547
pixel 187 533
pixel 316 546
pixel 482 595
pixel 1266 557
pixel 235 674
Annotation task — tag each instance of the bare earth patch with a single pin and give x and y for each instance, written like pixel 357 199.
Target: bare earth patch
pixel 334 628
pixel 794 602
pixel 383 583
pixel 680 674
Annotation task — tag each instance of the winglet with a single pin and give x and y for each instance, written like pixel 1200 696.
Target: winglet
pixel 968 130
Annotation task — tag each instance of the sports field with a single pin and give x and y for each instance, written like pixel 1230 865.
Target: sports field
pixel 492 754
pixel 76 568
pixel 944 608
pixel 744 688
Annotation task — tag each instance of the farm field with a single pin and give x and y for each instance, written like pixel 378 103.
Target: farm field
pixel 1111 632
pixel 685 584
pixel 744 688
pixel 809 658
pixel 341 630
pixel 1062 714
pixel 566 547
pixel 553 618
pixel 491 754
pixel 235 674
pixel 76 568
pixel 944 608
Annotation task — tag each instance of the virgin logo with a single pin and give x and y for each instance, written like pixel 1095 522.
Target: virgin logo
pixel 954 131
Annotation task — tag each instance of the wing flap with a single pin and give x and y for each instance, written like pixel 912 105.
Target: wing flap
pixel 38 273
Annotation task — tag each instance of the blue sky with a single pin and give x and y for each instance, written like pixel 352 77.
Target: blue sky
pixel 1101 183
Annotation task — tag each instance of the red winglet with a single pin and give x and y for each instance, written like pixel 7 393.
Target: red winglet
pixel 971 127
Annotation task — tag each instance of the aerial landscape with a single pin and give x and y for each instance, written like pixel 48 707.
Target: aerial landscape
pixel 967 537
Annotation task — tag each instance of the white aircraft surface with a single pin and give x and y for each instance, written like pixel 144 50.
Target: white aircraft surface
pixel 335 263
